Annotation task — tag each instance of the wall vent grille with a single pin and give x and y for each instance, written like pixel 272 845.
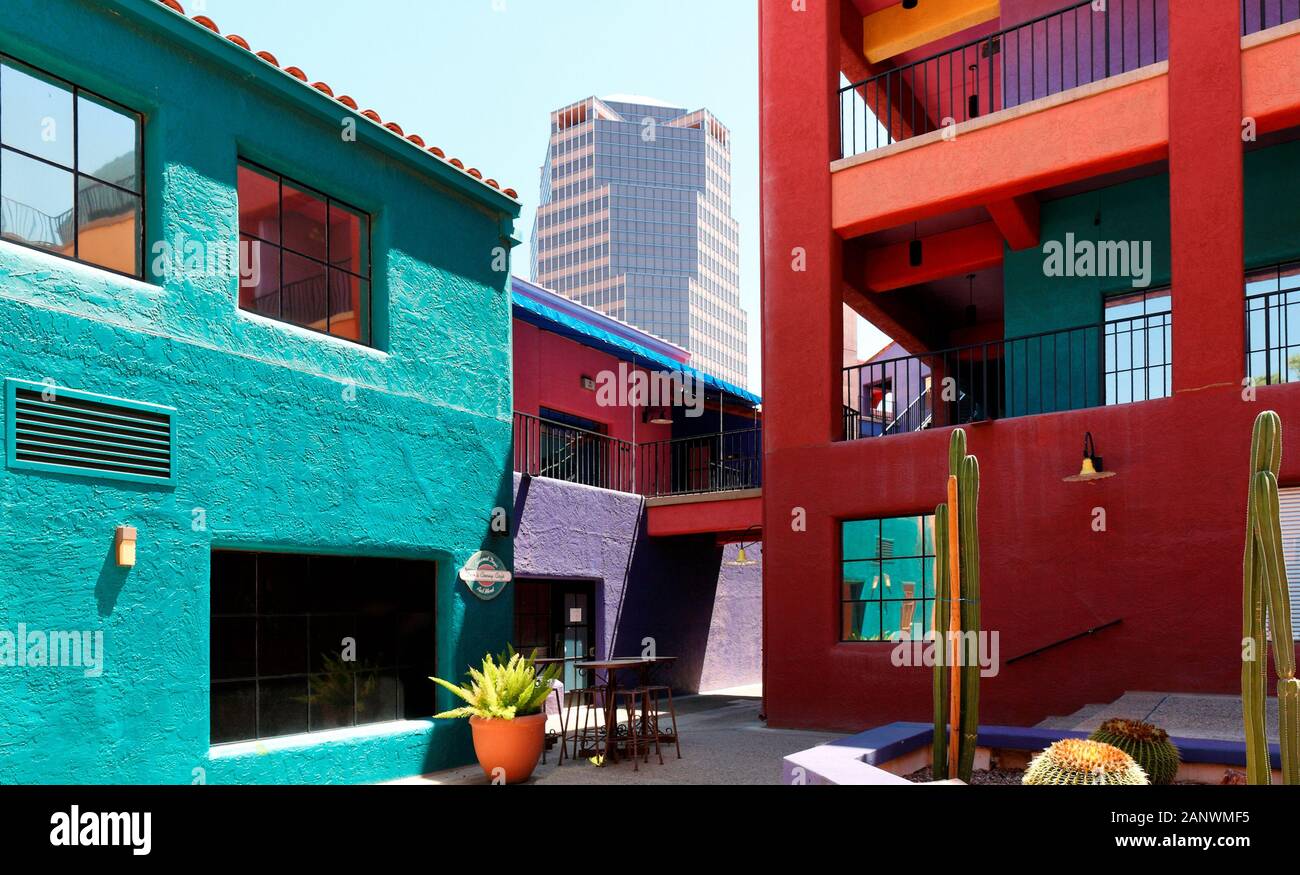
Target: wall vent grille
pixel 63 430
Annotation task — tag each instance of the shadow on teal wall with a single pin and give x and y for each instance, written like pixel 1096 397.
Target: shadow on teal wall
pixel 287 440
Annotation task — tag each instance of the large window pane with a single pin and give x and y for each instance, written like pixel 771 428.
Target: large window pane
pixel 304 291
pixel 890 594
pixel 259 205
pixel 305 219
pixel 349 240
pixel 62 145
pixel 35 114
pixel 37 203
pixel 108 226
pixel 349 296
pixel 108 143
pixel 259 281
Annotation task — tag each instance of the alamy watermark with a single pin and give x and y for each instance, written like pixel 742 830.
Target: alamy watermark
pixel 190 258
pixel 55 649
pixel 634 387
pixel 972 648
pixel 1101 258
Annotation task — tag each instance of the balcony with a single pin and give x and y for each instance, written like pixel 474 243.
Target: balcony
pixel 1126 358
pixel 561 452
pixel 726 462
pixel 701 465
pixel 1065 49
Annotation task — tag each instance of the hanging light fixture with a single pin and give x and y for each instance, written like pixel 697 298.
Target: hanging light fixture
pixel 742 560
pixel 973 102
pixel 1092 469
pixel 972 315
pixel 658 416
pixel 914 255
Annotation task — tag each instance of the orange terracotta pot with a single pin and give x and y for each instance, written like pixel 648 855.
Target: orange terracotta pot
pixel 509 749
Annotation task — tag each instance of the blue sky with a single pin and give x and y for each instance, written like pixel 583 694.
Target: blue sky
pixel 480 77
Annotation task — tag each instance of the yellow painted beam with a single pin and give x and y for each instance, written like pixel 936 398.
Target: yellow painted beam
pixel 894 30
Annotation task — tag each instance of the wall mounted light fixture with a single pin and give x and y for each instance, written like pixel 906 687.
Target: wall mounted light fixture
pixel 124 540
pixel 909 4
pixel 1092 469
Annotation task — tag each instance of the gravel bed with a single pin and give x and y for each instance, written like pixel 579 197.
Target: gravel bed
pixel 988 776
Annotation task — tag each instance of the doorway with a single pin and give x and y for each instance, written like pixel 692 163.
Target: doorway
pixel 555 618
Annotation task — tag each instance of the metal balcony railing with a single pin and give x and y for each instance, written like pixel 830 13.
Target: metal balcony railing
pixel 1257 15
pixel 561 452
pixel 696 465
pixel 1117 361
pixel 1073 46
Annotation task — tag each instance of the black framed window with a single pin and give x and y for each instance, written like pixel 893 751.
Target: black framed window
pixel 1273 325
pixel 309 256
pixel 70 170
pixel 311 643
pixel 1139 346
pixel 887 579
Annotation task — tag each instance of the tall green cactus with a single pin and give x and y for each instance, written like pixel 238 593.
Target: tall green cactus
pixel 967 471
pixel 1265 601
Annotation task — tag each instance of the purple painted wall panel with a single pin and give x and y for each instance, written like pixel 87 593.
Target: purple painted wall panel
pixel 674 590
pixel 1074 47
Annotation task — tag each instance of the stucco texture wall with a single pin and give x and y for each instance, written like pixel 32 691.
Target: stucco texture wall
pixel 286 440
pixel 678 591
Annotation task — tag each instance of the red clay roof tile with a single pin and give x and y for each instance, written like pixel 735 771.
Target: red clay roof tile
pixel 297 73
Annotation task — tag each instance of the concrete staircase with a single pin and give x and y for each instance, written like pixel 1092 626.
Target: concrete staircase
pixel 1181 714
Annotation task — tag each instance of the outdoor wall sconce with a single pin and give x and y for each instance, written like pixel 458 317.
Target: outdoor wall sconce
pixel 909 4
pixel 1092 469
pixel 657 416
pixel 588 383
pixel 125 546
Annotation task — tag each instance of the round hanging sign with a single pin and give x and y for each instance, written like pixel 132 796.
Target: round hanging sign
pixel 485 575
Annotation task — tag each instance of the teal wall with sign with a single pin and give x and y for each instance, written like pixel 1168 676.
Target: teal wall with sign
pixel 285 440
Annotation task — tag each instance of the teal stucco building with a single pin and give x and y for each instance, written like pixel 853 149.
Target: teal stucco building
pixel 307 442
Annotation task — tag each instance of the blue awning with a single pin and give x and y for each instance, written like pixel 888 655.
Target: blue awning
pixel 550 319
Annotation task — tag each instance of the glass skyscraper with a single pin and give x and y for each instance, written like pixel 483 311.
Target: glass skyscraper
pixel 635 221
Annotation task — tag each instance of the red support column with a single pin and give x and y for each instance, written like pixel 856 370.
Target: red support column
pixel 1206 194
pixel 802 273
pixel 803 280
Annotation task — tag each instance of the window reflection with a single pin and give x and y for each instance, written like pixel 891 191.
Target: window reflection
pixel 70 183
pixel 314 261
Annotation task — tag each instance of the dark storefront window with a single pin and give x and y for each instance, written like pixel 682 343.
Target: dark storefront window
pixel 887 583
pixel 311 643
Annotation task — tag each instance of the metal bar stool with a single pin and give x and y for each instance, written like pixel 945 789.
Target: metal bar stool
pixel 653 711
pixel 631 698
pixel 587 736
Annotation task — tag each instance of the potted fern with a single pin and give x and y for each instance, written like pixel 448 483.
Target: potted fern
pixel 504 702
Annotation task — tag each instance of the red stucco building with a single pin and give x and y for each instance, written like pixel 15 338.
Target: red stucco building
pixel 1080 221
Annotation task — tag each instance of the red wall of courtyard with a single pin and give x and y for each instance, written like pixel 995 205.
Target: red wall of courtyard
pixel 1168 564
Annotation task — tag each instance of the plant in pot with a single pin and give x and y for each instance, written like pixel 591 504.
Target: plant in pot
pixel 504 701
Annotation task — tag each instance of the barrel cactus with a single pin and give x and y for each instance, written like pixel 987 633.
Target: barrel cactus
pixel 1266 604
pixel 1149 746
pixel 964 513
pixel 1080 761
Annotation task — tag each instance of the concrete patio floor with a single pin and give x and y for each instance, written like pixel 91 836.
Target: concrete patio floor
pixel 723 742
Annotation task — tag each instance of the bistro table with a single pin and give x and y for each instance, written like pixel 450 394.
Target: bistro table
pixel 611 667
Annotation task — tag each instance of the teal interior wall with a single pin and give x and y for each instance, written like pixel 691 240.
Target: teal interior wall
pixel 287 440
pixel 1136 210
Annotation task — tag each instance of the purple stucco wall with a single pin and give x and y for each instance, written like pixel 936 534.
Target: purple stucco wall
pixel 675 590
